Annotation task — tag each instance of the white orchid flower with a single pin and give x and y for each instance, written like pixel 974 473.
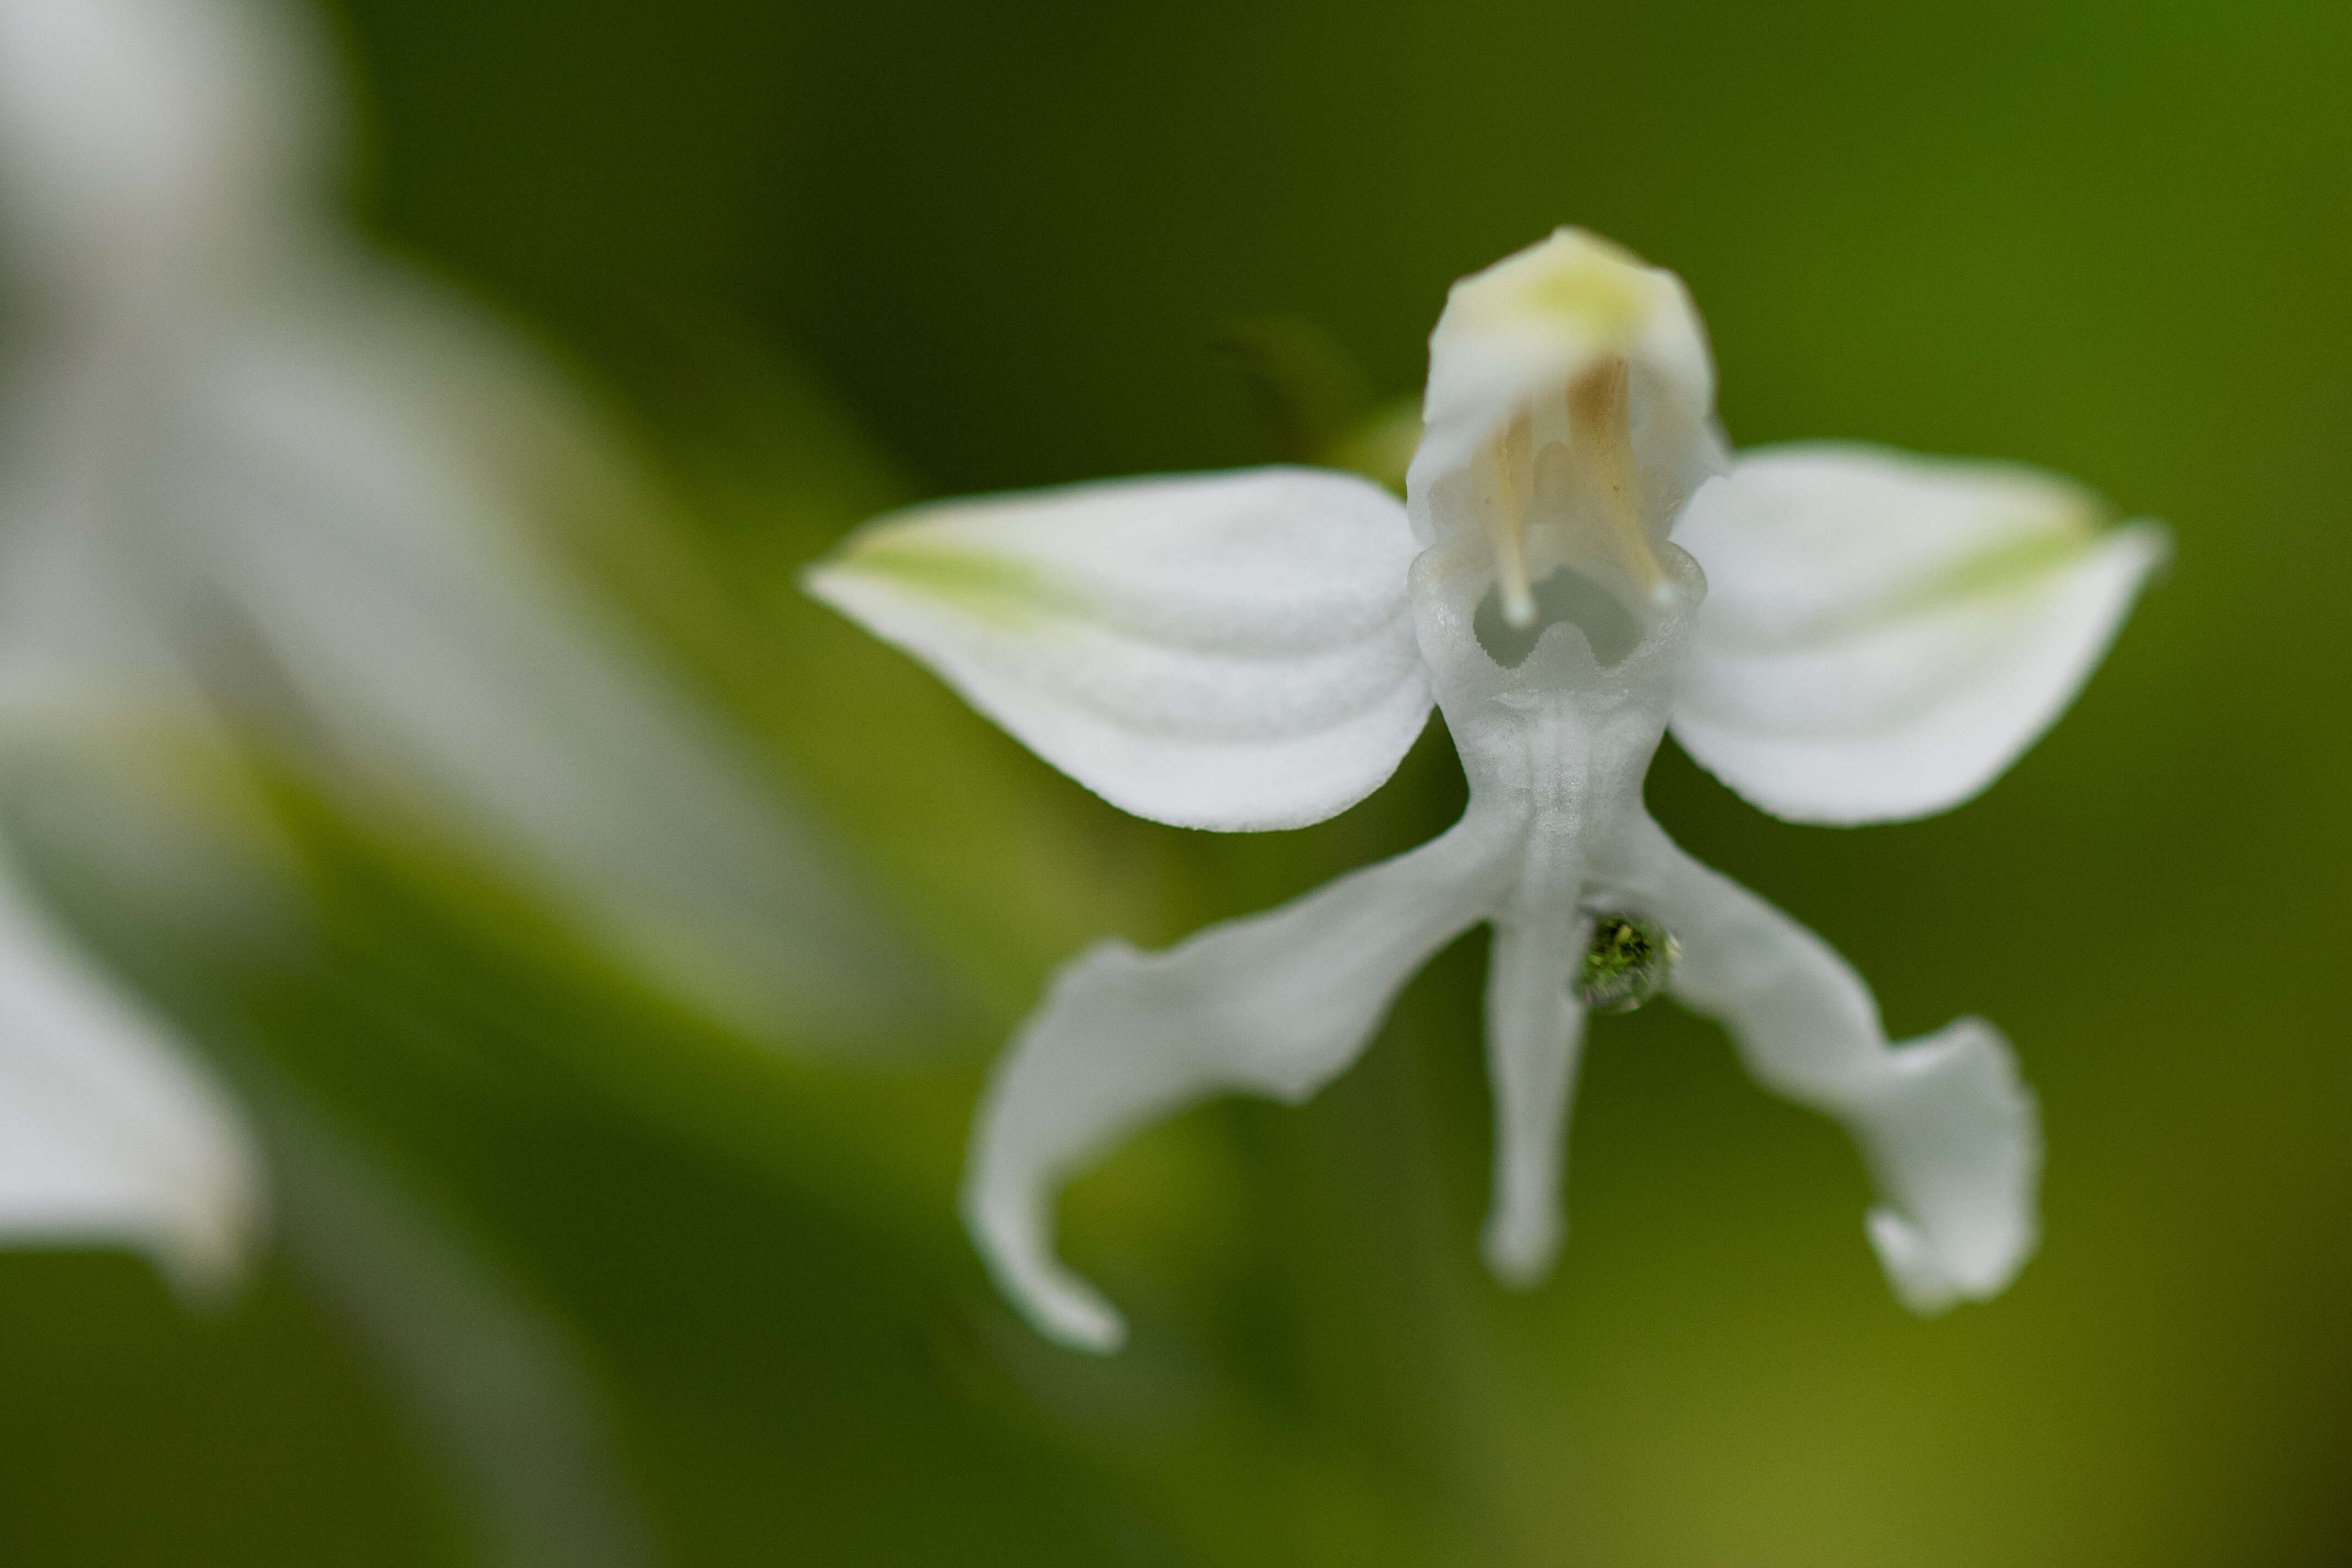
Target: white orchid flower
pixel 1873 636
pixel 232 428
pixel 242 456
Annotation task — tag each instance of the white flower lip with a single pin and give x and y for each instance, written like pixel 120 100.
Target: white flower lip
pixel 1844 634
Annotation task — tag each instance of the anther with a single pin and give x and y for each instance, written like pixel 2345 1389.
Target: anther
pixel 1600 422
pixel 1510 473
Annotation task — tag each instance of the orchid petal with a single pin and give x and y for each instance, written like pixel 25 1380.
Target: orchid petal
pixel 141 138
pixel 1275 1004
pixel 1535 1033
pixel 1883 634
pixel 109 1133
pixel 1230 651
pixel 365 472
pixel 1949 1129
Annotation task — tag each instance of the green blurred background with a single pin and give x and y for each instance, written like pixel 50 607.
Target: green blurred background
pixel 819 258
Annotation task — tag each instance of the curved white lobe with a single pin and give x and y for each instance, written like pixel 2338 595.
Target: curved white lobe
pixel 1883 635
pixel 1534 1038
pixel 1274 1003
pixel 1948 1129
pixel 110 1134
pixel 1230 651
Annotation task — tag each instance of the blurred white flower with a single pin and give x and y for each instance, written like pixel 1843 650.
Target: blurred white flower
pixel 130 145
pixel 1876 636
pixel 232 428
pixel 243 458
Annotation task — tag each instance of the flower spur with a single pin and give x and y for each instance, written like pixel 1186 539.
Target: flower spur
pixel 1842 634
